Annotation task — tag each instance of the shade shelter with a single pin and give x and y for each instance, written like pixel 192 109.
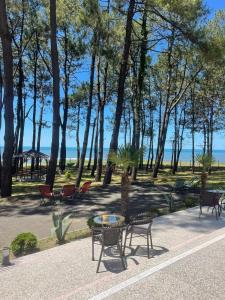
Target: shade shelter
pixel 34 168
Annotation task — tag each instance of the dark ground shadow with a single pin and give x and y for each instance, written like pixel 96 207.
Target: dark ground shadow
pixel 143 196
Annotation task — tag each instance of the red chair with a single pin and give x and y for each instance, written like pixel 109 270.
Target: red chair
pixel 68 192
pixel 85 187
pixel 46 193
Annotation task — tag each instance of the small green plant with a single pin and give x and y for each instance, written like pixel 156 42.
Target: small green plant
pixel 190 202
pixel 170 201
pixel 61 226
pixel 67 175
pixel 70 164
pixel 24 243
pixel 205 160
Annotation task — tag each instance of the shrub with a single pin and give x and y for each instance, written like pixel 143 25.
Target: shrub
pixel 70 164
pixel 190 202
pixel 67 175
pixel 24 243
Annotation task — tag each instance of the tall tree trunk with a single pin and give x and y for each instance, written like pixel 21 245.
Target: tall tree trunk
pixel 152 139
pixel 78 135
pixel 88 117
pixel 141 76
pixel 120 92
pixel 18 143
pixel 92 142
pixel 39 130
pixel 95 149
pixel 50 177
pixel 166 115
pixel 1 91
pixel 161 143
pixel 1 106
pixel 101 108
pixel 6 178
pixel 204 139
pixel 176 136
pixel 34 106
pixel 141 162
pixel 21 134
pixel 125 189
pixel 193 130
pixel 62 162
pixel 101 144
pixel 211 129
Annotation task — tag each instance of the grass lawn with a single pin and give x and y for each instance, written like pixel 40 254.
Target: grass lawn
pixel 165 177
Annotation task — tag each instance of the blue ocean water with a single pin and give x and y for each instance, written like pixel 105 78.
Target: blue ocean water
pixel 219 155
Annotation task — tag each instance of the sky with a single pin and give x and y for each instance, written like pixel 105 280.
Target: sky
pixel 219 138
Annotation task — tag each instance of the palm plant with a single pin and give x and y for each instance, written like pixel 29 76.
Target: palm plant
pixel 126 157
pixel 205 160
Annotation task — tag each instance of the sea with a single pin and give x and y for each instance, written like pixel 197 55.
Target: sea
pixel 186 154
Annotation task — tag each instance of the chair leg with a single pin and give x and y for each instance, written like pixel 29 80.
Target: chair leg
pixel 216 213
pixel 100 258
pixel 131 236
pixel 148 246
pixel 150 235
pixel 93 249
pixel 220 209
pixel 200 212
pixel 124 245
pixel 121 256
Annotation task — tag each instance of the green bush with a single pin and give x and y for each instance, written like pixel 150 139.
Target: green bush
pixel 70 164
pixel 67 175
pixel 24 243
pixel 190 202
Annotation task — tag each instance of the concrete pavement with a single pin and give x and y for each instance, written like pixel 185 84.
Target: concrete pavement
pixel 67 272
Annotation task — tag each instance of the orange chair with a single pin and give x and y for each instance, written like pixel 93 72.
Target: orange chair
pixel 46 193
pixel 85 187
pixel 68 192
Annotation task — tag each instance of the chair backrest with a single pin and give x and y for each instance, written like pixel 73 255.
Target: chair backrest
pixel 111 236
pixel 209 199
pixel 86 186
pixel 142 219
pixel 69 189
pixel 45 189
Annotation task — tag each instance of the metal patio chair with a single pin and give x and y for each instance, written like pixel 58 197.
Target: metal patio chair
pixel 211 200
pixel 140 225
pixel 109 238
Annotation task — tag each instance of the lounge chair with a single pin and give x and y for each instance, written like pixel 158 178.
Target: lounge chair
pixel 46 193
pixel 68 192
pixel 85 187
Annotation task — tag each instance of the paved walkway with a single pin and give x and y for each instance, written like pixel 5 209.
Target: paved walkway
pixel 187 263
pixel 26 214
